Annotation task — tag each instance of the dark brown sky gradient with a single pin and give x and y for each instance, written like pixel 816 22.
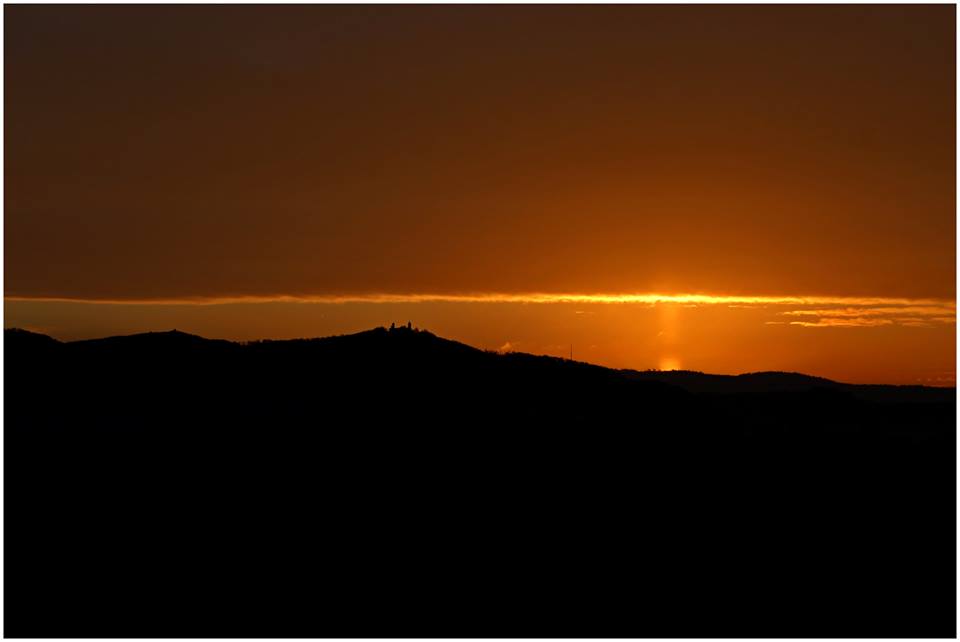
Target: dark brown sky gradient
pixel 177 151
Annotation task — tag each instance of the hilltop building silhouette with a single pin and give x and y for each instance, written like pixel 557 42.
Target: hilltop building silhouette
pixel 409 326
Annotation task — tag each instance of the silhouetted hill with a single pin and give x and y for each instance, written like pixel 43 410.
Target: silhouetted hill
pixel 19 336
pixel 763 382
pixel 394 483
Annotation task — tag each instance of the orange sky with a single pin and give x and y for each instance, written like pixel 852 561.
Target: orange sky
pixel 185 152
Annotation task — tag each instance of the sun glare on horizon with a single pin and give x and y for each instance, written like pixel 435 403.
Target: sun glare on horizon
pixel 668 363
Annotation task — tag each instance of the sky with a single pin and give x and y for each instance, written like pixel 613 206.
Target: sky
pixel 515 177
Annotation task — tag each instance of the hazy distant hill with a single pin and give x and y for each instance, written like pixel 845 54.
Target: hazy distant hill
pixel 761 382
pixel 394 483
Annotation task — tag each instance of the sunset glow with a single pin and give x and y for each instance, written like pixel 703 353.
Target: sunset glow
pixel 668 363
pixel 641 182
pixel 536 297
pixel 415 308
pixel 846 338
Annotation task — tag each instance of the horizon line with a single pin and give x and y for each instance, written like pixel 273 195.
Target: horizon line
pixel 947 383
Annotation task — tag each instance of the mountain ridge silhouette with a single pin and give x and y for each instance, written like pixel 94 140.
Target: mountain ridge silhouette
pixel 690 380
pixel 391 483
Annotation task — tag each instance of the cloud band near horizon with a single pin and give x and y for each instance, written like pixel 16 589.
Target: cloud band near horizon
pixel 813 310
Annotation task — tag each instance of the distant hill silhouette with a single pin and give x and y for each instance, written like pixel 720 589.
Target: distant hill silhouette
pixel 394 483
pixel 764 382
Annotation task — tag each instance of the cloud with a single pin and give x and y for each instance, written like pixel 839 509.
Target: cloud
pixel 914 316
pixel 802 310
pixel 870 311
pixel 527 297
pixel 858 322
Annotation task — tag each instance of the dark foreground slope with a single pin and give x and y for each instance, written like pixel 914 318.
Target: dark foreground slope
pixel 397 484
